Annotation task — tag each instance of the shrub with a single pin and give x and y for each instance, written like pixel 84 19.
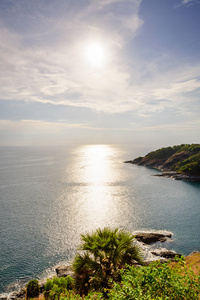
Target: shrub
pixel 157 281
pixel 70 295
pixel 56 287
pixel 32 288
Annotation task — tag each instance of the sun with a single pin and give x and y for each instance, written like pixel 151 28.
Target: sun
pixel 95 54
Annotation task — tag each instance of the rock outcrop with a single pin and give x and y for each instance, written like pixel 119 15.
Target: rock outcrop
pixel 64 271
pixel 21 293
pixel 3 297
pixel 163 252
pixel 18 295
pixel 152 237
pixel 178 176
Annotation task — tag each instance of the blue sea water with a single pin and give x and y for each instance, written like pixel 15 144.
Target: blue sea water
pixel 49 196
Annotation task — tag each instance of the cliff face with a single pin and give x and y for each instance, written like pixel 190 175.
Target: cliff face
pixel 183 159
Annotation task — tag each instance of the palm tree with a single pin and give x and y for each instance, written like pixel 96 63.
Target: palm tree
pixel 104 252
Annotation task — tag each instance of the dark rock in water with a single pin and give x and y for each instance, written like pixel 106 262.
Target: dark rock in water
pixel 3 297
pixel 163 252
pixel 152 237
pixel 21 294
pixel 178 176
pixel 13 296
pixel 64 271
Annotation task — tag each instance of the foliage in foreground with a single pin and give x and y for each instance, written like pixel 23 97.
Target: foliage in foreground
pixel 157 281
pixel 106 270
pixel 57 287
pixel 106 251
pixel 32 289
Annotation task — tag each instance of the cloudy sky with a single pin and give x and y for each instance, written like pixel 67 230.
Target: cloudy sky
pixel 99 71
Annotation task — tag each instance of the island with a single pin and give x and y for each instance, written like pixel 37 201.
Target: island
pixel 180 162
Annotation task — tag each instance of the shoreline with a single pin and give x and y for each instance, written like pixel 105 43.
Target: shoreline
pixel 146 240
pixel 180 162
pixel 167 172
pixel 192 263
pixel 177 176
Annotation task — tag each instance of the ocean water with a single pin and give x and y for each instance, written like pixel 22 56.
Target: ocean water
pixel 50 196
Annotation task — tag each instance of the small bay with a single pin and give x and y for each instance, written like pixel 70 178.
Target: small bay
pixel 50 196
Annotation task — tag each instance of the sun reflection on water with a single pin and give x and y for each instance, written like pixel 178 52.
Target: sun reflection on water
pixel 93 193
pixel 99 180
pixel 96 169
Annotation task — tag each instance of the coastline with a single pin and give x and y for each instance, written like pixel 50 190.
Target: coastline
pixel 180 162
pixel 192 263
pixel 177 176
pixel 146 240
pixel 166 172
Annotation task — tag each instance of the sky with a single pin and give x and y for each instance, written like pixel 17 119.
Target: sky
pixel 99 72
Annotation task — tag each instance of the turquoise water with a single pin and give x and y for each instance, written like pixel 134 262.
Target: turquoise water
pixel 49 196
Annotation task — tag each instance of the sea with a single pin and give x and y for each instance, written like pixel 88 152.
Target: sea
pixel 49 196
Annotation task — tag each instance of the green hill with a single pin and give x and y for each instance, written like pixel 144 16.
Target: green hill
pixel 183 159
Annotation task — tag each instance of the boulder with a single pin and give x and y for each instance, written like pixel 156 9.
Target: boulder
pixel 21 294
pixel 193 253
pixel 163 252
pixel 13 296
pixel 3 297
pixel 64 271
pixel 152 237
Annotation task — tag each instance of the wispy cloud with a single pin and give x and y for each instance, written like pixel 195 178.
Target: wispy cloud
pixel 51 128
pixel 62 77
pixel 39 125
pixel 177 89
pixel 57 72
pixel 185 3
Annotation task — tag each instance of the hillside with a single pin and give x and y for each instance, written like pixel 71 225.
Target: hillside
pixel 179 160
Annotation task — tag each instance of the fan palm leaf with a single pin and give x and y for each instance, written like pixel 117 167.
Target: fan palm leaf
pixel 105 250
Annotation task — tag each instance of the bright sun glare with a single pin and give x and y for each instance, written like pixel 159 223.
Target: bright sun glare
pixel 95 54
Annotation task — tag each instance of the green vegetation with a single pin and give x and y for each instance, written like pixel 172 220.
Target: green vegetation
pixel 184 159
pixel 32 289
pixel 57 287
pixel 164 153
pixel 106 251
pixel 190 165
pixel 106 271
pixel 157 281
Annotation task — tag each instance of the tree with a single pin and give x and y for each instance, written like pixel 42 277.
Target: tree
pixel 104 253
pixel 32 289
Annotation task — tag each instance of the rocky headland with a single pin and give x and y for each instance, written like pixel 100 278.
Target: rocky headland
pixel 180 162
